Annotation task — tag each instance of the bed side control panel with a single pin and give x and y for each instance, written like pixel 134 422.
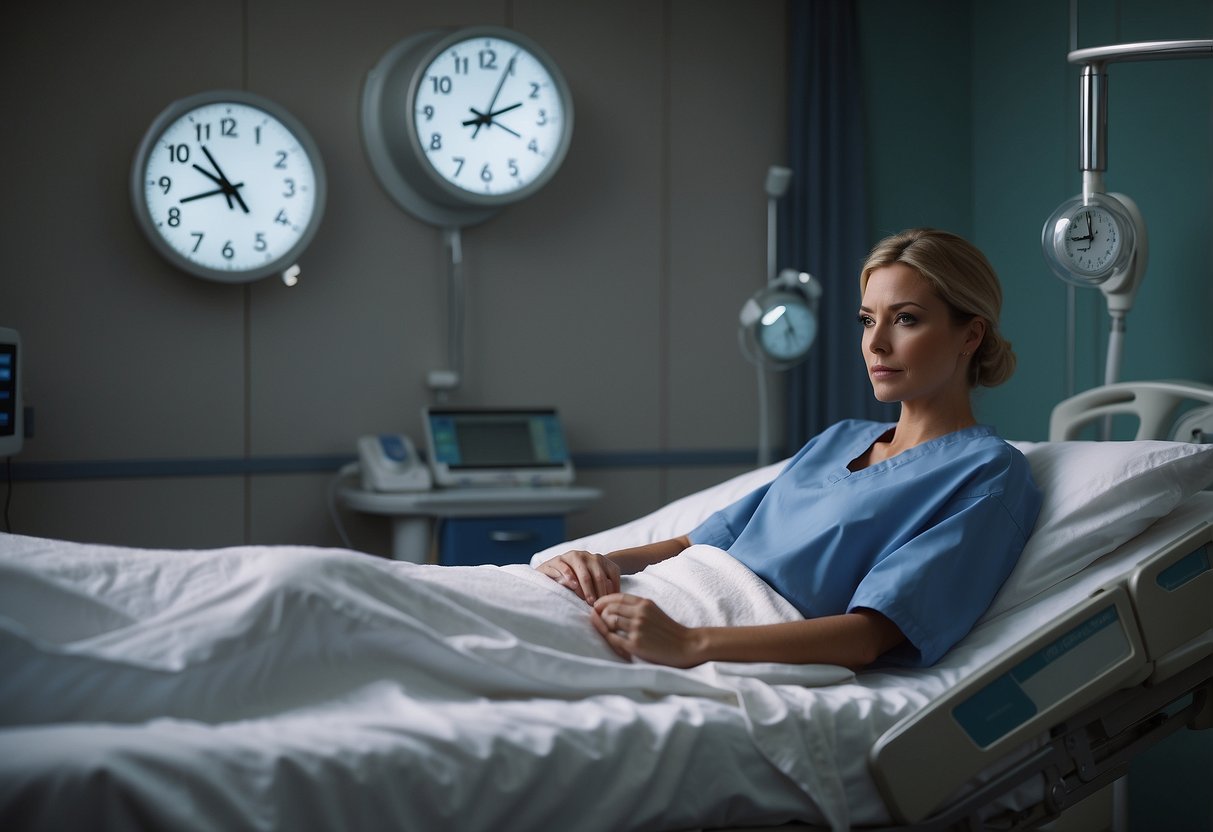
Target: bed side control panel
pixel 1090 651
pixel 1172 592
pixel 1044 678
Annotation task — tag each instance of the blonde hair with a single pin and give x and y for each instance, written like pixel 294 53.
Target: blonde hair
pixel 964 279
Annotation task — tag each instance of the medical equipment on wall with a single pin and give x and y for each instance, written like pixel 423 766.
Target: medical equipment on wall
pixel 778 323
pixel 12 428
pixel 1098 239
pixel 390 462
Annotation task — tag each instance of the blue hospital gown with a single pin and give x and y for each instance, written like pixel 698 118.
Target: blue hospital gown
pixel 925 538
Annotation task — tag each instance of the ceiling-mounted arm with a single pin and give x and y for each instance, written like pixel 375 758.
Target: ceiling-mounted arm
pixel 1094 94
pixel 1153 50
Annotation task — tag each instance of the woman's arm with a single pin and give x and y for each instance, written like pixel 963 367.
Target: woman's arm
pixel 635 626
pixel 591 576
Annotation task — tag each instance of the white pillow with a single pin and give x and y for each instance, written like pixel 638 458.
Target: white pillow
pixel 1097 495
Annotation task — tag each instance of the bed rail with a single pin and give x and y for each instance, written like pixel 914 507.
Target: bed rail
pixel 1172 593
pixel 1153 402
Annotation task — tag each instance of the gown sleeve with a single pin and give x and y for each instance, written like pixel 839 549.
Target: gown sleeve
pixel 936 585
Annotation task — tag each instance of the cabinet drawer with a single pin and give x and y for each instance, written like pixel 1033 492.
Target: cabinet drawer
pixel 497 540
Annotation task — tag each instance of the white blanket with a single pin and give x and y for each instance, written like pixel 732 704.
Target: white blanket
pixel 255 643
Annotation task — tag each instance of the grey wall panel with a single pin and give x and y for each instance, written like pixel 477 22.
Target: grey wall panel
pixel 125 356
pixel 173 513
pixel 576 297
pixel 727 99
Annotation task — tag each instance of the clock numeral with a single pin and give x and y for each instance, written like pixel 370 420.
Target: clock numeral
pixel 486 175
pixel 428 110
pixel 442 84
pixel 458 160
pixel 259 243
pixel 290 187
pixel 179 153
pixel 281 218
pixel 227 127
pixel 533 146
pixel 534 90
pixel 202 132
pixel 513 166
pixel 174 217
pixel 257 134
pixel 488 59
pixel 227 251
pixel 461 64
pixel 543 118
pixel 281 163
pixel 198 241
pixel 165 183
pixel 436 141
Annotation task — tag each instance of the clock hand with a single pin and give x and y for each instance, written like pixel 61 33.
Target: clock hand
pixel 488 120
pixel 480 119
pixel 496 113
pixel 206 194
pixel 503 127
pixel 227 192
pixel 509 69
pixel 229 189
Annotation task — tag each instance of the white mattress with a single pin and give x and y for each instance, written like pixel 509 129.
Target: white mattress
pixel 307 689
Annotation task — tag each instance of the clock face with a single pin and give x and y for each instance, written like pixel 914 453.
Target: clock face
pixel 489 116
pixel 786 329
pixel 1092 240
pixel 227 189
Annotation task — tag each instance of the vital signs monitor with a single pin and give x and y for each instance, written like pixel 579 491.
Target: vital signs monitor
pixel 483 447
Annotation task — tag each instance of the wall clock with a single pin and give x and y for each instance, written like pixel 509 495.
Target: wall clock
pixel 228 186
pixel 779 322
pixel 460 123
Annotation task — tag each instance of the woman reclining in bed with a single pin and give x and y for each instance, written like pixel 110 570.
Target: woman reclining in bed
pixel 891 540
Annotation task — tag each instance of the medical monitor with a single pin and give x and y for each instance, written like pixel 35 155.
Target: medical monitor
pixel 11 431
pixel 488 447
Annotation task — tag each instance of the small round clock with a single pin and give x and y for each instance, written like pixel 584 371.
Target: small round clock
pixel 460 123
pixel 1088 240
pixel 228 186
pixel 779 323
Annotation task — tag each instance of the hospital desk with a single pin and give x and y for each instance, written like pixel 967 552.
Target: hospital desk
pixel 511 522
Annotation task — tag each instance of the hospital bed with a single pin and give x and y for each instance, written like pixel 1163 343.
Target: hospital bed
pixel 1098 645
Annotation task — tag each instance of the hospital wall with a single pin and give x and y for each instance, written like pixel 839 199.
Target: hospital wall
pixel 170 411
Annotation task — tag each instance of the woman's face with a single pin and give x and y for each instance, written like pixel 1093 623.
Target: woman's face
pixel 911 343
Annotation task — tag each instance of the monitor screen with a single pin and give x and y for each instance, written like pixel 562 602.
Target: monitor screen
pixel 479 445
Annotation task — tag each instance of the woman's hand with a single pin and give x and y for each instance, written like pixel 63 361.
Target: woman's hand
pixel 586 574
pixel 635 626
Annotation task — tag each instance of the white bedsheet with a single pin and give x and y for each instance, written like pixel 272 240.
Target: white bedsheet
pixel 314 688
pixel 300 688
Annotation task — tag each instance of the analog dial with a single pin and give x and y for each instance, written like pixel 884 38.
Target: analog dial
pixel 227 189
pixel 787 328
pixel 488 116
pixel 1092 240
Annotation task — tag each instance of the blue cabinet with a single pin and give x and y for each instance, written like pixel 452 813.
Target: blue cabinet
pixel 496 540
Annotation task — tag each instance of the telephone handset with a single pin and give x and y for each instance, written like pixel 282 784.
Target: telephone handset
pixel 389 462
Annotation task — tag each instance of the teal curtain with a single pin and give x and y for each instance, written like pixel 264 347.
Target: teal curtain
pixel 823 218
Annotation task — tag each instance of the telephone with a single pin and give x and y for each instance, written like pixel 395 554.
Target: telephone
pixel 389 462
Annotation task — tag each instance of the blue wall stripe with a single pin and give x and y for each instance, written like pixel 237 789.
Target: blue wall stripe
pixel 328 463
